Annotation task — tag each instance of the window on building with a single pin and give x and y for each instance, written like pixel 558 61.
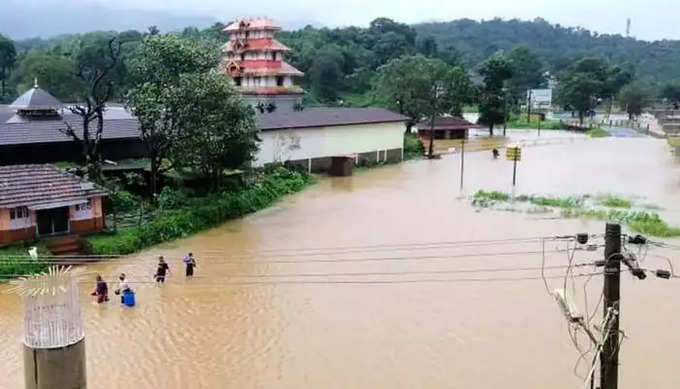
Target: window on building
pixel 274 56
pixel 85 206
pixel 243 57
pixel 18 213
pixel 237 80
pixel 279 81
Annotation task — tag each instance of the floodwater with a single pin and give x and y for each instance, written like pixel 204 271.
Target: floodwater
pixel 364 282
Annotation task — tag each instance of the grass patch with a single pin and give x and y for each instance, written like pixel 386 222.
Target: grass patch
pixel 14 260
pixel 519 123
pixel 487 198
pixel 559 202
pixel 611 208
pixel 200 213
pixel 598 133
pixel 613 201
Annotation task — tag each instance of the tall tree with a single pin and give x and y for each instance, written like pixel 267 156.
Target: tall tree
pixel 527 72
pixel 156 69
pixel 495 72
pixel 326 73
pixel 222 127
pixel 671 92
pixel 424 88
pixel 8 56
pixel 634 98
pixel 95 63
pixel 586 82
pixel 54 72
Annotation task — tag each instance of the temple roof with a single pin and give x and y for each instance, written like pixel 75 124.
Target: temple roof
pixel 252 24
pixel 36 99
pixel 268 68
pixel 257 45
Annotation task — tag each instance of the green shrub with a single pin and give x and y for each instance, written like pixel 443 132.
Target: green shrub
pixel 14 260
pixel 413 147
pixel 123 201
pixel 201 213
pixel 170 198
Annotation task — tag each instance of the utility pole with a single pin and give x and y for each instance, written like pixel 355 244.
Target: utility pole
pixel 462 162
pixel 609 358
pixel 529 106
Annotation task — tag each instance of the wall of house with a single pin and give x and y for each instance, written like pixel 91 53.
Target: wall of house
pixel 88 220
pixel 324 142
pixel 8 234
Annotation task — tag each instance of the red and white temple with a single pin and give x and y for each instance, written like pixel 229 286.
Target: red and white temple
pixel 254 59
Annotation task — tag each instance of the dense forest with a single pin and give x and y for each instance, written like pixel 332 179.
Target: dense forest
pixel 340 64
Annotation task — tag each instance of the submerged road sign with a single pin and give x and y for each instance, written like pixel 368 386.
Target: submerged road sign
pixel 514 153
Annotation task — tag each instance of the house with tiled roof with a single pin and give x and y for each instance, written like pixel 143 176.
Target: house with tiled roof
pixel 445 127
pixel 43 200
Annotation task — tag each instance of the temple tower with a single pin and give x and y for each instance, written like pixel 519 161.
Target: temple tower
pixel 255 60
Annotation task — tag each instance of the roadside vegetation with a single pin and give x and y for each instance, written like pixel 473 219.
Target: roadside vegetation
pixel 608 207
pixel 15 261
pixel 519 122
pixel 180 213
pixel 413 147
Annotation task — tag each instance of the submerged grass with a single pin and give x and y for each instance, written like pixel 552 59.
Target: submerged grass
pixel 598 133
pixel 612 201
pixel 614 208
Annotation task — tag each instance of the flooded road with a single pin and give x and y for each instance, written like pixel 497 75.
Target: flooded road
pixel 367 282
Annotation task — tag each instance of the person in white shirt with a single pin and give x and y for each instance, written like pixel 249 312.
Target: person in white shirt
pixel 122 287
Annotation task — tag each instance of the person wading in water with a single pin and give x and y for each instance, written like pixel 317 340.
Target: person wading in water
pixel 122 287
pixel 101 291
pixel 161 270
pixel 190 261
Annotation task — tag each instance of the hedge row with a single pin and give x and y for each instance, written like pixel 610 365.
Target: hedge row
pixel 201 213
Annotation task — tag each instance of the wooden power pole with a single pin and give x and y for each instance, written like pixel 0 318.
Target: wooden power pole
pixel 609 358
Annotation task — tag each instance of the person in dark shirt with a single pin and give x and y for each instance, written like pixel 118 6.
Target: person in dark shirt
pixel 161 270
pixel 101 291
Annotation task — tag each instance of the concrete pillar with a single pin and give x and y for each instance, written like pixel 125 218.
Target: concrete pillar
pixel 62 367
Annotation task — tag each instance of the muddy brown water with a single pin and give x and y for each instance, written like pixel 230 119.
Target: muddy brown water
pixel 264 311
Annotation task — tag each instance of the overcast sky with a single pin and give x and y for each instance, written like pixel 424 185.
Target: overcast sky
pixel 651 19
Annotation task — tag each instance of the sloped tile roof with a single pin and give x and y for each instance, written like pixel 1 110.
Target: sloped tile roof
pixel 324 117
pixel 447 123
pixel 47 131
pixel 42 185
pixel 36 99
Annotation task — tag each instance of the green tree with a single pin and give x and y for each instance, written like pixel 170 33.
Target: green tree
pixel 634 98
pixel 586 82
pixel 8 56
pixel 671 92
pixel 495 72
pixel 421 87
pixel 54 73
pixel 156 68
pixel 96 62
pixel 326 73
pixel 222 128
pixel 527 72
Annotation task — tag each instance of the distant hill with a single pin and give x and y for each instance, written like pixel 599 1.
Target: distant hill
pixel 19 20
pixel 556 45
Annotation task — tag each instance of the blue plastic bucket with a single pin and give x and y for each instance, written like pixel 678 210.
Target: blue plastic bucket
pixel 129 298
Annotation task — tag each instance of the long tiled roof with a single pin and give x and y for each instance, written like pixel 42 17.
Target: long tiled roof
pixel 48 131
pixel 447 123
pixel 324 117
pixel 252 24
pixel 39 186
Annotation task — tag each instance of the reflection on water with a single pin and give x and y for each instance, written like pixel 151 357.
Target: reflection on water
pixel 264 313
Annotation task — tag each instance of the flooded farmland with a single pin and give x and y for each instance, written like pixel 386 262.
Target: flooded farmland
pixel 372 281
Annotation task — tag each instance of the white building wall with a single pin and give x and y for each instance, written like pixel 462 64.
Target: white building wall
pixel 319 142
